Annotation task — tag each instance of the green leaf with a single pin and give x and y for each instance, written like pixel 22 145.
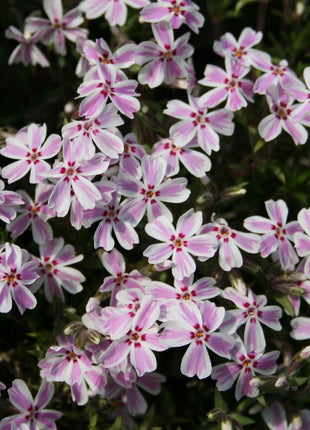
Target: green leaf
pixel 241 3
pixel 241 419
pixel 285 303
pixel 219 401
pixel 262 401
pixel 259 144
pixel 117 425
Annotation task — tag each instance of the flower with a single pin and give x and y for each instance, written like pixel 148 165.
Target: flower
pixel 26 51
pixel 282 117
pixel 228 241
pixel 176 12
pixel 34 213
pixel 276 233
pixel 302 240
pixel 115 11
pixel 241 51
pixel 53 270
pixel 197 122
pixel 104 85
pixel 16 274
pixel 72 175
pixel 195 326
pixel 147 195
pixel 301 328
pixel 228 85
pixel 251 312
pixel 58 26
pixel 246 364
pixel 28 148
pixel 9 204
pixel 31 411
pixel 165 59
pixel 275 75
pixel 179 243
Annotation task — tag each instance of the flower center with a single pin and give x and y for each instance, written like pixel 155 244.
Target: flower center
pixel 246 363
pixel 186 296
pixel 134 336
pixel 11 278
pixel 199 333
pixel 178 243
pixel 70 171
pixel 224 231
pixel 149 194
pixel 251 311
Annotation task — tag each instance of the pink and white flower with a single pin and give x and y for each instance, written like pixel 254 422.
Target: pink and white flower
pixel 34 213
pixel 17 273
pixel 275 418
pixel 32 413
pixel 26 51
pixel 72 174
pixel 179 243
pixel 163 61
pixel 28 149
pixel 115 12
pixel 282 117
pixel 301 328
pixel 58 26
pixel 277 233
pixel 228 242
pixel 176 12
pixel 228 85
pixel 195 326
pixel 275 75
pixel 302 240
pixel 99 132
pixel 251 312
pixel 246 364
pixel 9 204
pixel 147 195
pixel 103 86
pixel 194 161
pixel 197 122
pixel 241 50
pixel 139 342
pixel 55 257
pixel 128 160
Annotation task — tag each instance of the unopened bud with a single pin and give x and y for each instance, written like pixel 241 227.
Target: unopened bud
pixel 281 381
pixel 237 283
pixel 94 336
pixel 235 191
pixel 72 328
pixel 226 425
pixel 204 199
pixel 256 382
pixel 305 353
pixel 297 423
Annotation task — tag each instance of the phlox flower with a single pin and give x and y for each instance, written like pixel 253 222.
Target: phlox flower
pixel 277 233
pixel 176 12
pixel 9 204
pixel 17 273
pixel 58 26
pixel 65 362
pixel 96 132
pixel 195 326
pixel 184 290
pixel 229 241
pixel 301 93
pixel 197 122
pixel 275 418
pixel 119 280
pixel 278 74
pixel 94 382
pixel 301 328
pixel 163 61
pixel 194 161
pixel 103 86
pixel 282 117
pixel 241 50
pixel 128 160
pixel 28 149
pixel 179 243
pixel 55 257
pixel 34 213
pixel 139 341
pixel 229 85
pixel 147 195
pixel 100 53
pixel 72 174
pixel 117 321
pixel 252 311
pixel 244 367
pixel 31 412
pixel 26 51
pixel 302 240
pixel 115 12
pixel 111 217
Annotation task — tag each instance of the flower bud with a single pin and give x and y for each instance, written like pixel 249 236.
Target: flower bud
pixel 281 381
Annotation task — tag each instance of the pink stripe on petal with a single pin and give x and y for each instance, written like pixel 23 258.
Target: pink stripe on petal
pixel 225 375
pixel 221 344
pixel 103 236
pixel 160 229
pixel 254 338
pixel 304 220
pixel 24 298
pixel 196 361
pixel 288 256
pixel 183 264
pixel 142 359
pixel 20 396
pixel 163 34
pixel 266 365
pixel 270 127
pixel 158 253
